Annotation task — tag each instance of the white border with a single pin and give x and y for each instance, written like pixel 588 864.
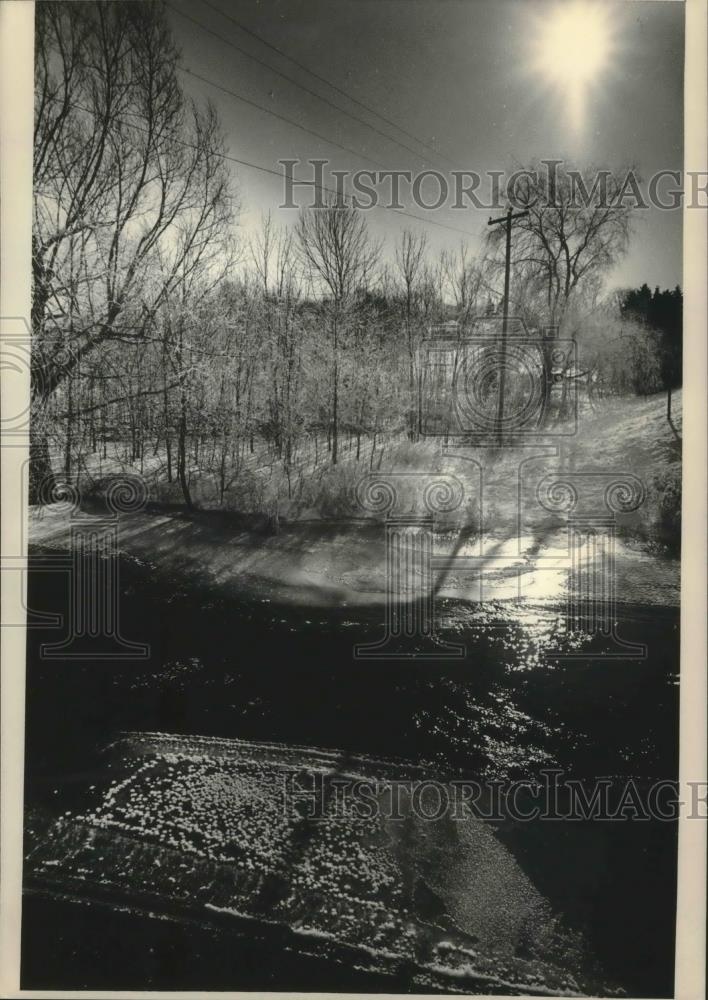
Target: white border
pixel 691 902
pixel 16 115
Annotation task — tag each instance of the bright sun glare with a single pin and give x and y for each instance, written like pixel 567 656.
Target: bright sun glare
pixel 574 46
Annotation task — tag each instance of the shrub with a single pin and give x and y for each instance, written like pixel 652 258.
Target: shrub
pixel 665 502
pixel 657 523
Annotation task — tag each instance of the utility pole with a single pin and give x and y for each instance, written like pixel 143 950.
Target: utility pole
pixel 508 219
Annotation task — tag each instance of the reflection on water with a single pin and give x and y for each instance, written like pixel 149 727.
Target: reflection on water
pixel 265 671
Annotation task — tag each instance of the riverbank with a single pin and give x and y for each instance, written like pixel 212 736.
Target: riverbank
pixel 513 548
pixel 344 563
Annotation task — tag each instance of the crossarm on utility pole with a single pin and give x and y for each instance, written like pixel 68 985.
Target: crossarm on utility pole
pixel 507 219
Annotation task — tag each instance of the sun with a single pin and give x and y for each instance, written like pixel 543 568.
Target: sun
pixel 574 44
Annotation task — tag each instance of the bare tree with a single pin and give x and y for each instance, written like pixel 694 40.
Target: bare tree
pixel 338 254
pixel 131 191
pixel 464 279
pixel 273 256
pixel 410 259
pixel 577 227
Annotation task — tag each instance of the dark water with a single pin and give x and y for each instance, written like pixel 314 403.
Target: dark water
pixel 255 670
pixel 104 949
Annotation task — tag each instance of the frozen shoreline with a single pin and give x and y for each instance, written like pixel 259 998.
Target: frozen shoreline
pixel 344 564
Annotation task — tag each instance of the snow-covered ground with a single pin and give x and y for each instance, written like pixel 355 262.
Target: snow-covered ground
pixel 505 544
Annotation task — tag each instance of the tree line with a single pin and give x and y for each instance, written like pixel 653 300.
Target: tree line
pixel 662 313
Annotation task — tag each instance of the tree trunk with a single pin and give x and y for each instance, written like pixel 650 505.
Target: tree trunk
pixel 335 395
pixel 42 480
pixel 69 429
pixel 547 380
pixel 335 428
pixel 182 460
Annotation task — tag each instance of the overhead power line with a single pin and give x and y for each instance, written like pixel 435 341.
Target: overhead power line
pixel 269 170
pixel 283 118
pixel 328 83
pixel 296 83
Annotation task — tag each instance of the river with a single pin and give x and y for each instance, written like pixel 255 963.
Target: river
pixel 253 669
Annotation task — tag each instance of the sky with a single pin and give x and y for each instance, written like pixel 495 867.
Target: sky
pixel 466 78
